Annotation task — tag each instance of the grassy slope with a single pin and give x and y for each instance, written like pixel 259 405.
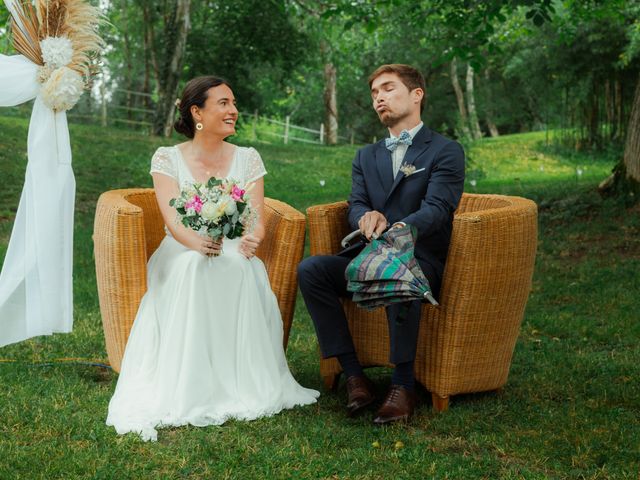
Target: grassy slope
pixel 570 408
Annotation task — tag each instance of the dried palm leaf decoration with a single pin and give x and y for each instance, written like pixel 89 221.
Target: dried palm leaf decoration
pixel 62 37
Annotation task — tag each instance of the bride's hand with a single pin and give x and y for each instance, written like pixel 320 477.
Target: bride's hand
pixel 207 247
pixel 248 245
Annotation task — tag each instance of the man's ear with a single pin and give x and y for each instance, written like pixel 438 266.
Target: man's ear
pixel 418 94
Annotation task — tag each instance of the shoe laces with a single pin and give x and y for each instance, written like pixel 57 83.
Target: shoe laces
pixel 394 394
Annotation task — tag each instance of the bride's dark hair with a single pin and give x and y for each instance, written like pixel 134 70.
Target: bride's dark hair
pixel 194 93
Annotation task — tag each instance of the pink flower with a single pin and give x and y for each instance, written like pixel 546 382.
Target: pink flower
pixel 237 193
pixel 195 203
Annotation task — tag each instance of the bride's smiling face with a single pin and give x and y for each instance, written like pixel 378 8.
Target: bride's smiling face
pixel 219 114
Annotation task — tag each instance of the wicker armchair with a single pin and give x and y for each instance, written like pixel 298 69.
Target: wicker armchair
pixel 129 227
pixel 465 345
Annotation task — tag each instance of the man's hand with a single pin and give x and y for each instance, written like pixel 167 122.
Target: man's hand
pixel 372 224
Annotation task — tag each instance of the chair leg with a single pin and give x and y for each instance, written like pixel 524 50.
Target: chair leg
pixel 331 381
pixel 440 404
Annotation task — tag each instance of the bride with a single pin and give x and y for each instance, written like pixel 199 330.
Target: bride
pixel 206 344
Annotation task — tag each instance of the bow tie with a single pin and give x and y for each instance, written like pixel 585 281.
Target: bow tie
pixel 392 143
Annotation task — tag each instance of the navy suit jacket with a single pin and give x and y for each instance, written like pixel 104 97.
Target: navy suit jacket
pixel 425 199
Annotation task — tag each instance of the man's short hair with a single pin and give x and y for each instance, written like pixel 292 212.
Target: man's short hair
pixel 410 76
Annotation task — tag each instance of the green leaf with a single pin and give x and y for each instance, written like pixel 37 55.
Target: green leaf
pixel 538 20
pixel 213 182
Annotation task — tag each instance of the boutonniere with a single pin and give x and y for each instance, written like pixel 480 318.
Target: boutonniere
pixel 409 169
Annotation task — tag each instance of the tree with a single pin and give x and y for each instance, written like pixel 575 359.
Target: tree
pixel 471 102
pixel 325 34
pixel 462 108
pixel 253 44
pixel 174 34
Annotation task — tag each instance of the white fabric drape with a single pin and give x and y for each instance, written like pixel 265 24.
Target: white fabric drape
pixel 35 283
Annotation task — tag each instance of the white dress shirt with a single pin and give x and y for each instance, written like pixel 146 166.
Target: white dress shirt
pixel 397 156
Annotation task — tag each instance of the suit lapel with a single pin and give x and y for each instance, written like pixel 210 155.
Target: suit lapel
pixel 384 166
pixel 418 146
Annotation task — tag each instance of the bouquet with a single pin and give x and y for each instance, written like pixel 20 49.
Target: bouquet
pixel 219 208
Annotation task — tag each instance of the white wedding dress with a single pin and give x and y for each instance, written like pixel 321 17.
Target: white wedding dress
pixel 206 344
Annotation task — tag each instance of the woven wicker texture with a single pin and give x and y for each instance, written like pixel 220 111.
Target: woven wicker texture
pixel 465 344
pixel 129 227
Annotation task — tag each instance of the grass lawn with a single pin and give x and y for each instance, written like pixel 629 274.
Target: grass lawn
pixel 571 407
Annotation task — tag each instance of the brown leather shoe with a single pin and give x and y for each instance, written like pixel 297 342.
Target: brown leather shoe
pixel 360 394
pixel 398 406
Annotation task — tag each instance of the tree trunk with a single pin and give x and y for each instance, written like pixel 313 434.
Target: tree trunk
pixel 150 59
pixel 632 147
pixel 330 104
pixel 618 108
pixel 462 109
pixel 127 56
pixel 610 110
pixel 625 179
pixel 593 114
pixel 493 128
pixel 471 105
pixel 175 40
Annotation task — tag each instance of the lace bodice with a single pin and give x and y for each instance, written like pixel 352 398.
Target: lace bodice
pixel 246 165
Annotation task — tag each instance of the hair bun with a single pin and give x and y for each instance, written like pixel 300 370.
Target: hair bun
pixel 182 127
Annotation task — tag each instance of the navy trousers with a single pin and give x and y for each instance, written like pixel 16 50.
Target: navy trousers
pixel 322 283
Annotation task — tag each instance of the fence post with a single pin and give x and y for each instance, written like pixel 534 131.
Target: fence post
pixel 375 139
pixel 104 105
pixel 286 130
pixel 322 134
pixel 352 135
pixel 254 126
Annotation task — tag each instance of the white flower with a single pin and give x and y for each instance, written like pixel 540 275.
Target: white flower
pixel 209 211
pixel 230 208
pixel 56 51
pixel 473 182
pixel 63 89
pixel 322 183
pixel 44 72
pixel 408 169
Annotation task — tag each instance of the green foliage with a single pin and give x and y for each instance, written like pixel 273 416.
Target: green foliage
pixel 539 64
pixel 5 27
pixel 569 409
pixel 253 44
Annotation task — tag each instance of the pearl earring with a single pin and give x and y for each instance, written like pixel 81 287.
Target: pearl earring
pixel 199 126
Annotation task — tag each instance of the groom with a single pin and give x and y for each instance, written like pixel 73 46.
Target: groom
pixel 413 177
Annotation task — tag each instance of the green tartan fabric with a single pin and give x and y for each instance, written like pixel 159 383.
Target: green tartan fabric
pixel 386 271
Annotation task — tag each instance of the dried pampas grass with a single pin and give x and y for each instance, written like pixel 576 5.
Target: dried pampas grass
pixel 74 19
pixel 60 36
pixel 81 27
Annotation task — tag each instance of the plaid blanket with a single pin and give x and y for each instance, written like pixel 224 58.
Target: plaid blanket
pixel 386 271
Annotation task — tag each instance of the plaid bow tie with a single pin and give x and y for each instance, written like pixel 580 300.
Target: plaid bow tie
pixel 404 139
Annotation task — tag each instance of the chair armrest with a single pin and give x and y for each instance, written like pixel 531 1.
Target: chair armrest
pixel 486 284
pixel 491 249
pixel 327 226
pixel 121 259
pixel 281 251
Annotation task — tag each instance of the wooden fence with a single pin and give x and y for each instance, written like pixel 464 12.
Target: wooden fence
pixel 289 130
pixel 260 128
